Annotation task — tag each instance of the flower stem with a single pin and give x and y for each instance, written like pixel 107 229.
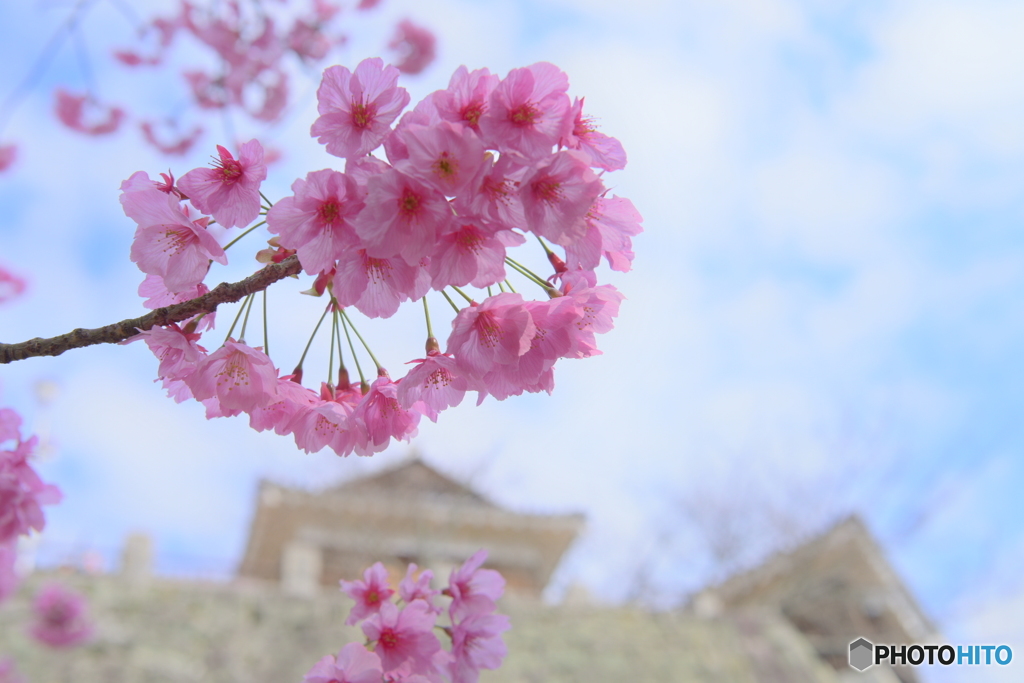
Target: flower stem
pixel 510 287
pixel 352 348
pixel 464 295
pixel 237 316
pixel 228 245
pixel 523 270
pixel 245 320
pixel 426 313
pixel 366 346
pixel 266 337
pixel 445 294
pixel 269 203
pixel 311 337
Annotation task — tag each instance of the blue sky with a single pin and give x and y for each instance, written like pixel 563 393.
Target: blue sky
pixel 826 304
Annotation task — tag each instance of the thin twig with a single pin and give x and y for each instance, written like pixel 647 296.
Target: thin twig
pixel 223 293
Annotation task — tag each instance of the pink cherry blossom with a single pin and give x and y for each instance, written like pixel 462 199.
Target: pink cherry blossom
pixel 10 425
pixel 178 351
pixel 402 217
pixel 370 594
pixel 177 147
pixel 357 109
pixel 446 156
pixel 167 243
pixel 8 155
pixel 383 416
pixel 495 192
pixel 21 505
pixel 435 384
pixel 610 224
pixel 403 636
pixel 557 196
pixel 474 590
pixel 416 45
pixel 354 664
pixel 292 399
pixel 599 305
pixel 240 377
pixel 413 588
pixel 582 134
pixel 60 617
pixel 467 96
pixel 11 286
pixel 316 220
pixel 526 111
pixel 471 253
pixel 72 112
pixel 555 321
pixel 497 331
pixel 477 644
pixel 231 189
pixel 377 286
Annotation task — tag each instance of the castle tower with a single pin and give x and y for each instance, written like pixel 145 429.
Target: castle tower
pixel 410 513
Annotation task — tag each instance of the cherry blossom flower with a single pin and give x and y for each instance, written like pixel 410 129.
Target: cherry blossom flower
pixel 526 110
pixel 383 416
pixel 231 190
pixel 357 108
pixel 582 134
pixel 495 332
pixel 403 636
pixel 61 619
pixel 402 217
pixel 435 384
pixel 177 350
pixel 11 286
pixel 466 98
pixel 179 147
pixel 477 644
pixel 557 196
pixel 8 155
pixel 416 45
pixel 474 590
pixel 291 400
pixel 167 243
pixel 316 220
pixel 446 156
pixel 21 504
pixel 413 588
pixel 71 110
pixel 354 664
pixel 369 594
pixel 472 253
pixel 610 224
pixel 240 377
pixel 377 286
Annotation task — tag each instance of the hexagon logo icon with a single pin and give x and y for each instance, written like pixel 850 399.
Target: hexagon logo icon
pixel 861 654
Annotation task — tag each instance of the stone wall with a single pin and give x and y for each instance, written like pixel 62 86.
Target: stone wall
pixel 167 631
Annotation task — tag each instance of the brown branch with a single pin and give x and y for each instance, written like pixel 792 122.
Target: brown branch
pixel 223 293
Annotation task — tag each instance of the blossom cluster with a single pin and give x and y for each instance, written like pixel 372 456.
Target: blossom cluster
pixel 401 645
pixel 259 49
pixel 61 618
pixel 22 495
pixel 252 44
pixel 470 172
